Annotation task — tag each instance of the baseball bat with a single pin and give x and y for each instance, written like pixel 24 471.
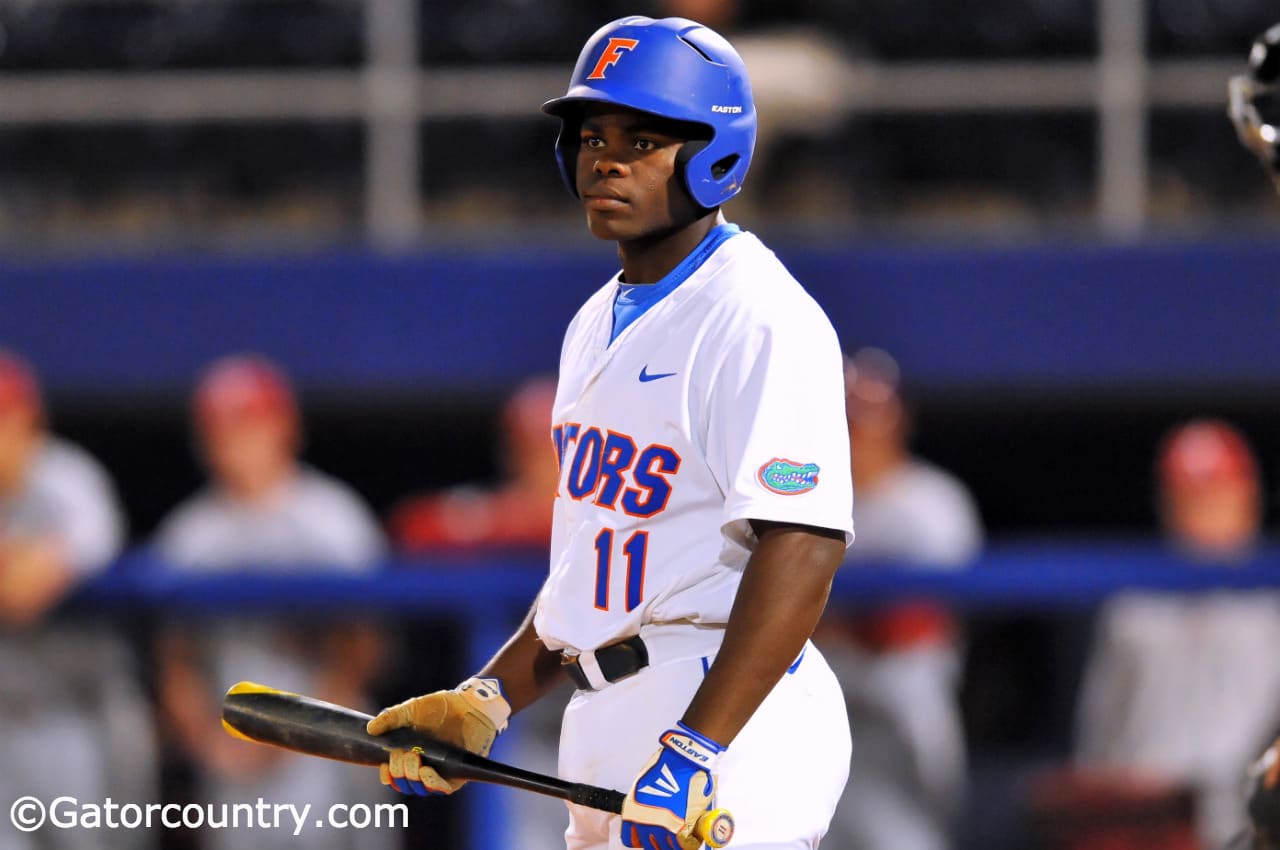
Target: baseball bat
pixel 307 725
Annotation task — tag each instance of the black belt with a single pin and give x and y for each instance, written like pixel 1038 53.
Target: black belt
pixel 617 661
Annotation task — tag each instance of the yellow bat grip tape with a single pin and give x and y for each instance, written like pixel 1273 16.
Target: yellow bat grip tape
pixel 248 688
pixel 255 688
pixel 235 733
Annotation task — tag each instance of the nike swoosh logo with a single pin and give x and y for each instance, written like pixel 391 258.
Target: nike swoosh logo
pixel 645 377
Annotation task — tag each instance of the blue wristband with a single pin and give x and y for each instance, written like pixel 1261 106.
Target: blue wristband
pixel 701 738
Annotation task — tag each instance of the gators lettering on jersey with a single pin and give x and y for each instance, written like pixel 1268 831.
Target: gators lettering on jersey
pixel 722 403
pixel 607 468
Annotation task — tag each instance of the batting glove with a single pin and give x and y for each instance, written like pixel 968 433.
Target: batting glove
pixel 470 716
pixel 675 788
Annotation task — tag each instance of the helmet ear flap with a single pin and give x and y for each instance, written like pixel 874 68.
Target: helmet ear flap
pixel 567 144
pixel 688 151
pixel 716 170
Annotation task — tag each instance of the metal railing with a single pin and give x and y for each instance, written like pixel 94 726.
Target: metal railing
pixel 392 93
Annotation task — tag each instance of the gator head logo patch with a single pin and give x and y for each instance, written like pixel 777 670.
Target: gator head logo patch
pixel 787 477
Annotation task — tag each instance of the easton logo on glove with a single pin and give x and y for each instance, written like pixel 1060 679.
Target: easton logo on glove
pixel 703 753
pixel 664 786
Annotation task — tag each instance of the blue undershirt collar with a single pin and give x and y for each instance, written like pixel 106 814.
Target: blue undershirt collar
pixel 633 300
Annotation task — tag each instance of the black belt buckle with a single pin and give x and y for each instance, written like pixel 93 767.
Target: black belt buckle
pixel 617 661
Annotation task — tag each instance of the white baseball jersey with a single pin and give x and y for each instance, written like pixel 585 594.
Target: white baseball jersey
pixel 69 495
pixel 1185 687
pixel 312 519
pixel 722 402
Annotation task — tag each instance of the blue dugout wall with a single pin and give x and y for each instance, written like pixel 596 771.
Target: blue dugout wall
pixel 1158 314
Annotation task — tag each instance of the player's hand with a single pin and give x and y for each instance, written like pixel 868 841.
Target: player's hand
pixel 673 791
pixel 470 716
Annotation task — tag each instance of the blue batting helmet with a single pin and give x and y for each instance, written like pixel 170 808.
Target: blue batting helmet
pixel 674 68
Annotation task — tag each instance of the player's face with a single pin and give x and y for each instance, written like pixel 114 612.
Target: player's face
pixel 627 174
pixel 248 455
pixel 19 432
pixel 1219 516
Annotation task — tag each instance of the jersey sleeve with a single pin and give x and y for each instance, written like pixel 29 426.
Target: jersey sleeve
pixel 777 436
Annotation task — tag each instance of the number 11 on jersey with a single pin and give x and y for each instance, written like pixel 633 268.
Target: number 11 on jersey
pixel 634 550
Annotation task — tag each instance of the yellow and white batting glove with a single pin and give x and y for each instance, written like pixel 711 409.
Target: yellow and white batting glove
pixel 470 716
pixel 672 793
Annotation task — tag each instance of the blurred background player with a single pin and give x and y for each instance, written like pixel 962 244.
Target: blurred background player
pixel 899 665
pixel 1255 102
pixel 514 514
pixel 73 719
pixel 265 511
pixel 1184 689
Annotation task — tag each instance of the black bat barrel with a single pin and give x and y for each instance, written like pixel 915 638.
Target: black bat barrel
pixel 307 725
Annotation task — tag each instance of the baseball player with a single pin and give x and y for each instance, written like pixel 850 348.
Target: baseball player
pixel 1255 102
pixel 704 499
pixel 266 510
pixel 1182 687
pixel 899 664
pixel 68 682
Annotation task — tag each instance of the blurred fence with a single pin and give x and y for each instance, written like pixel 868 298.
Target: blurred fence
pixel 389 88
pixel 1042 573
